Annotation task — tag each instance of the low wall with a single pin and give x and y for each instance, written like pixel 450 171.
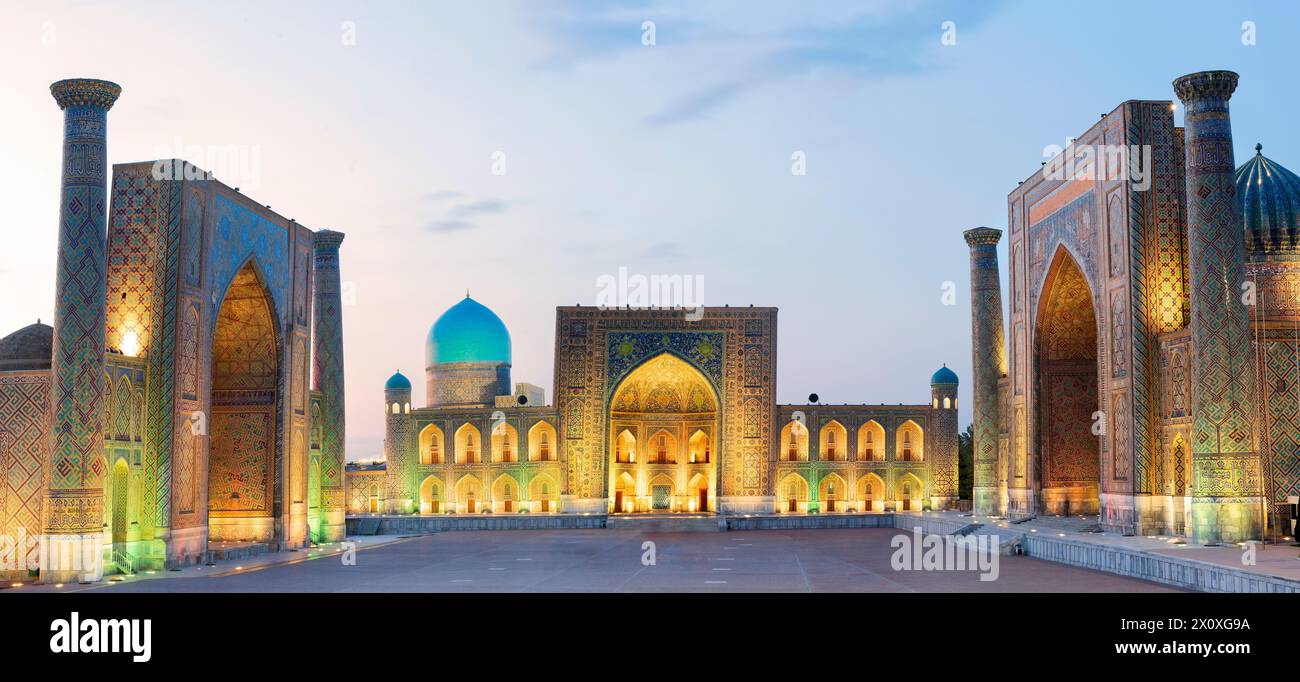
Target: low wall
pixel 412 524
pixel 1170 570
pixel 798 522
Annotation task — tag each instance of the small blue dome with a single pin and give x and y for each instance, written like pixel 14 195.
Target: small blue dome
pixel 398 382
pixel 467 332
pixel 943 376
pixel 1269 195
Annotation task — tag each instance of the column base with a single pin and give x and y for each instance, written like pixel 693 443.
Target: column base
pixel 332 525
pixel 986 501
pixel 1226 520
pixel 1022 503
pixel 72 558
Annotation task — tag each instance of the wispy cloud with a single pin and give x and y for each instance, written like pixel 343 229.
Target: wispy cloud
pixel 449 225
pixel 868 40
pixel 460 215
pixel 662 251
pixel 479 207
pixel 696 104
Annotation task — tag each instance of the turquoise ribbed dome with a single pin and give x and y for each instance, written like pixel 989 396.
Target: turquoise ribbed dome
pixel 467 332
pixel 943 376
pixel 397 382
pixel 1269 195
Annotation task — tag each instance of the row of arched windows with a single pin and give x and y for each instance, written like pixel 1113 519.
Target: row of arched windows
pixel 833 442
pixel 503 444
pixel 663 448
pixel 834 493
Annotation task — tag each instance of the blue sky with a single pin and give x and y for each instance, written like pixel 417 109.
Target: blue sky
pixel 666 159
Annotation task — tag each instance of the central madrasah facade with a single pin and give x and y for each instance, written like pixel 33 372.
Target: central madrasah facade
pixel 652 413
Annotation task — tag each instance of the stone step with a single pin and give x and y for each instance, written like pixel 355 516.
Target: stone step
pixel 667 523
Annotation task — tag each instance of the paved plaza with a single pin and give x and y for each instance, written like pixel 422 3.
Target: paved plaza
pixel 847 560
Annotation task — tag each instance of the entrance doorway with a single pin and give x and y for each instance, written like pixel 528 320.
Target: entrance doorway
pixel 121 501
pixel 663 425
pixel 1069 461
pixel 243 425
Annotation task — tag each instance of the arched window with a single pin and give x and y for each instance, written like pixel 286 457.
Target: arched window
pixel 544 451
pixel 397 408
pixel 947 403
pixel 833 435
pixel 661 452
pixel 431 445
pixel 471 455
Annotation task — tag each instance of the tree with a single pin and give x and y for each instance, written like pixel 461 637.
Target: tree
pixel 966 463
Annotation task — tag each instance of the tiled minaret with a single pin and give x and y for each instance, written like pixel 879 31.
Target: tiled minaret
pixel 74 502
pixel 1226 482
pixel 943 455
pixel 397 445
pixel 989 355
pixel 327 377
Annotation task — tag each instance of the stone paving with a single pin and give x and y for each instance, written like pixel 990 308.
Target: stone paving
pixel 827 560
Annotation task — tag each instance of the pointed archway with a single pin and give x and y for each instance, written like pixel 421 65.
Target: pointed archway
pixel 1068 467
pixel 663 420
pixel 243 426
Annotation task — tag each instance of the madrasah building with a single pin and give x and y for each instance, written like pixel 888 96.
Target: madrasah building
pixel 654 412
pixel 1149 373
pixel 188 399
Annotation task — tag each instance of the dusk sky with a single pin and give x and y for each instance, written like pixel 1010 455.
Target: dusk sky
pixel 384 120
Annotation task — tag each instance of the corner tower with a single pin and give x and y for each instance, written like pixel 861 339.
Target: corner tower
pixel 1226 480
pixel 943 454
pixel 397 445
pixel 74 501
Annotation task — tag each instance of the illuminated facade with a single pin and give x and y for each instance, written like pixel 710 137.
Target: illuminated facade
pixel 1149 371
pixel 653 413
pixel 169 406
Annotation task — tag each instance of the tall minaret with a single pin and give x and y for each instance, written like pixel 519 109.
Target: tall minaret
pixel 74 501
pixel 327 377
pixel 989 356
pixel 1226 480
